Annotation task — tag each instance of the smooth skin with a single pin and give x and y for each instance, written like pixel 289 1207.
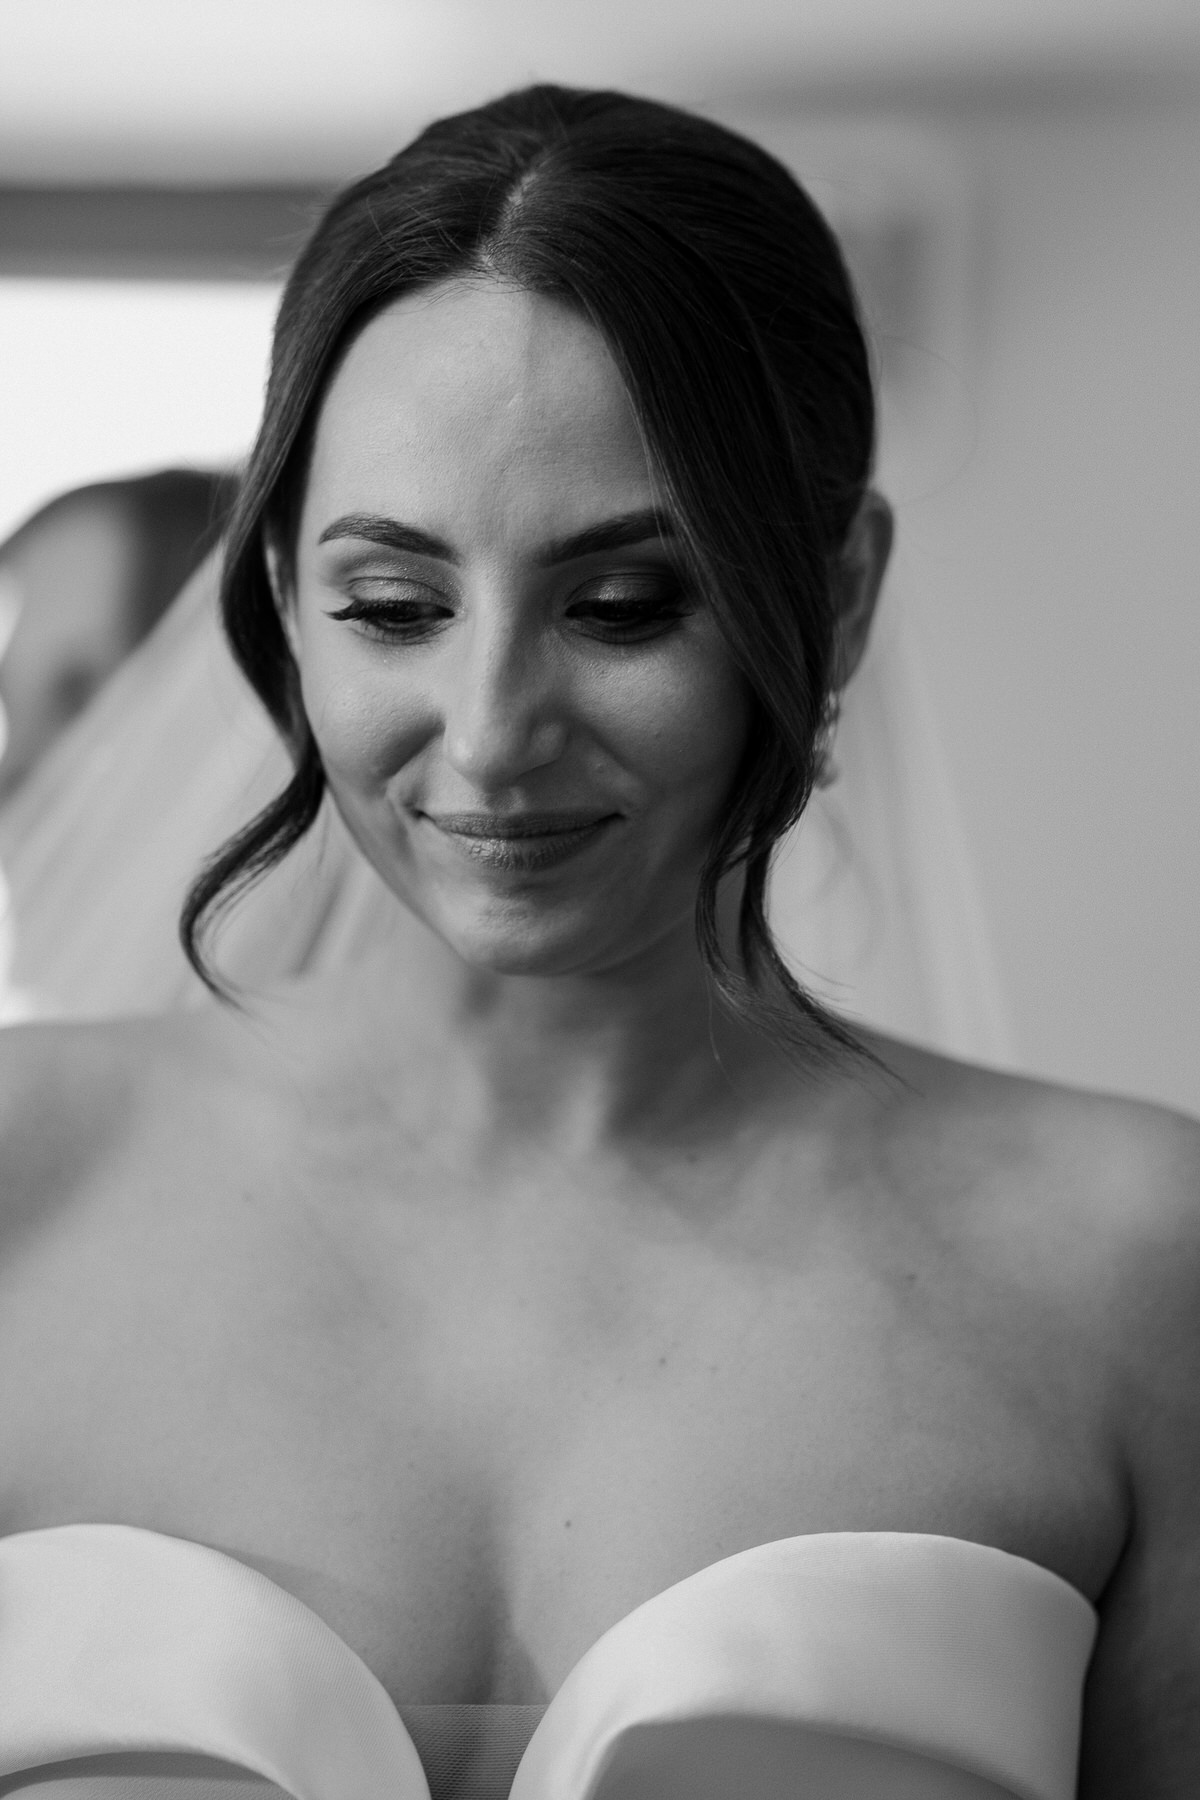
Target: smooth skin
pixel 484 1290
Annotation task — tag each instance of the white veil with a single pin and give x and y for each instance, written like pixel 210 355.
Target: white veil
pixel 873 898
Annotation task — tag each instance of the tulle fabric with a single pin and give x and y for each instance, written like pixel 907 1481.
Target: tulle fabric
pixel 873 898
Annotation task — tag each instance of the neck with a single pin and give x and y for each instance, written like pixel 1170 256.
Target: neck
pixel 641 1052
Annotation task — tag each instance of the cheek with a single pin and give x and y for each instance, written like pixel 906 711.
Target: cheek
pixel 685 725
pixel 363 726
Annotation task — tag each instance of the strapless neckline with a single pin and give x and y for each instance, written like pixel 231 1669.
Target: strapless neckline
pixel 907 1645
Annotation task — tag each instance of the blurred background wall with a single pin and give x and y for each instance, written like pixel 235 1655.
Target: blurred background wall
pixel 1020 188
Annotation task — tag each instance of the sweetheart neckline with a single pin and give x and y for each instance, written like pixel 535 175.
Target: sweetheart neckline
pixel 722 1566
pixel 943 1645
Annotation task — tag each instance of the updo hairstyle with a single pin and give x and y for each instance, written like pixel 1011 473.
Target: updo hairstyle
pixel 724 299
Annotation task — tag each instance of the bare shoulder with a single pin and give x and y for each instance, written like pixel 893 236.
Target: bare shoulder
pixel 1085 1204
pixel 1095 1200
pixel 71 1095
pixel 1119 1178
pixel 1091 1199
pixel 53 1077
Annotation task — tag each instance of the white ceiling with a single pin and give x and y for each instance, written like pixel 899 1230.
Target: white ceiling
pixel 313 89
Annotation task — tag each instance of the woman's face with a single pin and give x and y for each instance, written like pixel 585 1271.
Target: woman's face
pixel 528 720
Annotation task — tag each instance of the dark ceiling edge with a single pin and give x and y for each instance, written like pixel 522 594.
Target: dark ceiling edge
pixel 238 233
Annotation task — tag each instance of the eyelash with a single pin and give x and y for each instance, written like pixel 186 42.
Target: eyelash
pixel 627 621
pixel 394 622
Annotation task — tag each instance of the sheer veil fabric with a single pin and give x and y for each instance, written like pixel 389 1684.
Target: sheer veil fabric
pixel 874 898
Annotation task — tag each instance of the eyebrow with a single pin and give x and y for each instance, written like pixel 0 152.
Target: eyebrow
pixel 608 534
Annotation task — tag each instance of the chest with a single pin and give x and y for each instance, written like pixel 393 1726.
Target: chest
pixel 472 1443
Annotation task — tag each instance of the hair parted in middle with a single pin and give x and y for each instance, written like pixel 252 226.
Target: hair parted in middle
pixel 725 302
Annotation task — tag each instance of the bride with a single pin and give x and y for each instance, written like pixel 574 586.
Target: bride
pixel 559 1308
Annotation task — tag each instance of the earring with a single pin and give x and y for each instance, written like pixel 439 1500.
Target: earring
pixel 825 770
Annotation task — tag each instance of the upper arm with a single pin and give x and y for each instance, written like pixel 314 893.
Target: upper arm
pixel 1141 1738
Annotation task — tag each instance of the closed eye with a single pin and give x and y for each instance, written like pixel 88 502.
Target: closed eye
pixel 626 609
pixel 629 608
pixel 395 613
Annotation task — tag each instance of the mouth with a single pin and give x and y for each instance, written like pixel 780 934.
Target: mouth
pixel 520 842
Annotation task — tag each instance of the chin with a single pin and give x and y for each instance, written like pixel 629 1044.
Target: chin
pixel 529 953
pixel 534 941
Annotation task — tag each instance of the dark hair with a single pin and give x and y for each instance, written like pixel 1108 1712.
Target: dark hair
pixel 724 299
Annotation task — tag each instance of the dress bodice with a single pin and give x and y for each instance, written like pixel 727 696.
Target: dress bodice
pixel 839 1666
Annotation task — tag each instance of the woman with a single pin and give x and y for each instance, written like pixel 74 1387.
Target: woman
pixel 560 1302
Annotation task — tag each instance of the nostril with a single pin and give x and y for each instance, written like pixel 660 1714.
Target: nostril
pixel 499 742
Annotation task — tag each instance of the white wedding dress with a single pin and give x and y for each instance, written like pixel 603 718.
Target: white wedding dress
pixel 840 1666
pixel 873 898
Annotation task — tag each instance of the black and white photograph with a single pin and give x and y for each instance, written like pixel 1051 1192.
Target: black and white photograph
pixel 600 900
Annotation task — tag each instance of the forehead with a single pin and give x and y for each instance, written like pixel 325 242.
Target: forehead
pixel 477 385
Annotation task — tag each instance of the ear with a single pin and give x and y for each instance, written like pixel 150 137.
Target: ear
pixel 858 579
pixel 279 592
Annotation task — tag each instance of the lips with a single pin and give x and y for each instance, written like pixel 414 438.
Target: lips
pixel 519 843
pixel 514 825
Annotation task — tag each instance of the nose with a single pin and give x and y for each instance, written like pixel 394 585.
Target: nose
pixel 503 709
